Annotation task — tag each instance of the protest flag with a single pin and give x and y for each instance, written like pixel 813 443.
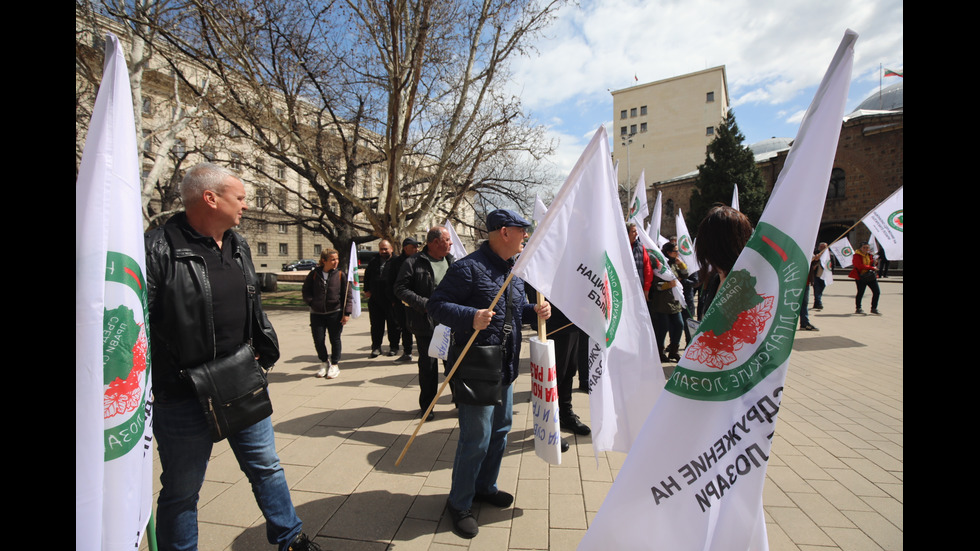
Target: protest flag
pixel 539 209
pixel 685 245
pixel 844 252
pixel 694 478
pixel 735 198
pixel 113 438
pixel 827 276
pixel 458 250
pixel 638 206
pixel 354 279
pixel 661 268
pixel 653 229
pixel 579 257
pixel 886 224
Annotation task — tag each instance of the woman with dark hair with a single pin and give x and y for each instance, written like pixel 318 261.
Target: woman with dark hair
pixel 721 237
pixel 666 309
pixel 865 274
pixel 328 294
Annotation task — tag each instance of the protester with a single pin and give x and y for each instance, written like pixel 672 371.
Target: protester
pixel 864 274
pixel 462 302
pixel 722 235
pixel 328 294
pixel 642 260
pixel 379 304
pixel 816 276
pixel 403 335
pixel 204 303
pixel 417 279
pixel 666 309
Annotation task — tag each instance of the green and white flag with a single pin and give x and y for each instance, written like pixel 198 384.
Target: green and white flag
pixel 685 245
pixel 844 252
pixel 638 206
pixel 113 439
pixel 886 223
pixel 354 279
pixel 694 478
pixel 580 258
pixel 653 230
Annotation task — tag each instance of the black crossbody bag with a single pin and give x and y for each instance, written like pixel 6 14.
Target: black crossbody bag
pixel 479 380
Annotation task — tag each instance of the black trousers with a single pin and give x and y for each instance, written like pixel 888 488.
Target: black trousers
pixel 321 325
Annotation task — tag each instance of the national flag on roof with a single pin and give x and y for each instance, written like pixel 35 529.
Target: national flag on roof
pixel 113 439
pixel 694 478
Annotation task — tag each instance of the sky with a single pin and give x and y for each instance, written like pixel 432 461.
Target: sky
pixel 774 53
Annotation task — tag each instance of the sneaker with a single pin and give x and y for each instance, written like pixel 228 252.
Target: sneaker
pixel 875 312
pixel 818 307
pixel 808 327
pixel 393 352
pixel 303 543
pixel 405 358
pixel 859 311
pixel 323 370
pixel 375 353
pixel 464 525
pixel 571 422
pixel 333 372
pixel 499 499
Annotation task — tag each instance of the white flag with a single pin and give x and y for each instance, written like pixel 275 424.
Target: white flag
pixel 113 439
pixel 660 266
pixel 694 479
pixel 843 251
pixel 685 245
pixel 539 209
pixel 457 250
pixel 354 279
pixel 827 276
pixel 579 257
pixel 638 206
pixel 886 224
pixel 735 198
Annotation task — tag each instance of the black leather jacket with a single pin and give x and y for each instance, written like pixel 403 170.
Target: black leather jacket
pixel 414 286
pixel 179 303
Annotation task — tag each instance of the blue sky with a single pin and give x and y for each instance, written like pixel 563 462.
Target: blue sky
pixel 775 53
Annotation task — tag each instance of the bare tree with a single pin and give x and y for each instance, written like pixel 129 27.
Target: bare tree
pixel 388 110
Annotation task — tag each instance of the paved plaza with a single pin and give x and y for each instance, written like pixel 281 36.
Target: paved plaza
pixel 834 481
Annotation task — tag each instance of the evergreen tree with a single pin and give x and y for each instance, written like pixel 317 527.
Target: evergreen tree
pixel 728 163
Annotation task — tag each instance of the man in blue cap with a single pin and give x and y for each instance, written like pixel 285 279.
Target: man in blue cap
pixel 462 302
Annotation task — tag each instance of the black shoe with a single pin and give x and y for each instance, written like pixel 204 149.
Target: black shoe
pixel 393 352
pixel 375 353
pixel 571 422
pixel 808 327
pixel 500 499
pixel 303 543
pixel 859 311
pixel 405 358
pixel 875 312
pixel 432 415
pixel 464 525
pixel 818 306
pixel 564 445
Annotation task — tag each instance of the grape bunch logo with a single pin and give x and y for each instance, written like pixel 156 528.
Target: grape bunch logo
pixel 895 220
pixel 125 350
pixel 847 251
pixel 634 209
pixel 748 330
pixel 684 244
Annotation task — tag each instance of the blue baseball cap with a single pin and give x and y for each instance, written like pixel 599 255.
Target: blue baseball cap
pixel 505 218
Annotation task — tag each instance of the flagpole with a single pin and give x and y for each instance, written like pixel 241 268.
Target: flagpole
pixel 452 372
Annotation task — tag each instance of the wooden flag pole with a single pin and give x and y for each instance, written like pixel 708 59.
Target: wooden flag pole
pixel 451 373
pixel 542 324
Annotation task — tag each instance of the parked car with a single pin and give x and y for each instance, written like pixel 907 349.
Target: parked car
pixel 363 257
pixel 300 265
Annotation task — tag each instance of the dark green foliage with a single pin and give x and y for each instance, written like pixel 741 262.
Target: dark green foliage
pixel 728 163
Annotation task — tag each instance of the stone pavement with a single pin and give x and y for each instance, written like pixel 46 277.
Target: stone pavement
pixel 834 481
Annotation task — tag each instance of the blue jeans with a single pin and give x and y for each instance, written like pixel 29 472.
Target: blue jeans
pixel 185 447
pixel 482 440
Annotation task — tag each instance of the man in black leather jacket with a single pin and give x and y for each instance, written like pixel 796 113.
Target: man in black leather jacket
pixel 203 300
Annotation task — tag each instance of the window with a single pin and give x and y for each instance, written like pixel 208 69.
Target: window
pixel 837 181
pixel 261 197
pixel 710 97
pixel 280 171
pixel 234 132
pixel 207 124
pixel 261 226
pixel 236 161
pixel 147 106
pixel 709 131
pixel 633 112
pixel 147 141
pixel 260 166
pixel 262 248
pixel 643 127
pixel 209 155
pixel 179 149
pixel 643 110
pixel 622 114
pixel 284 249
pixel 622 130
pixel 632 129
pixel 283 228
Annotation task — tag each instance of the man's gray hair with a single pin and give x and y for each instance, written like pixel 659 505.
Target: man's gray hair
pixel 203 177
pixel 434 233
